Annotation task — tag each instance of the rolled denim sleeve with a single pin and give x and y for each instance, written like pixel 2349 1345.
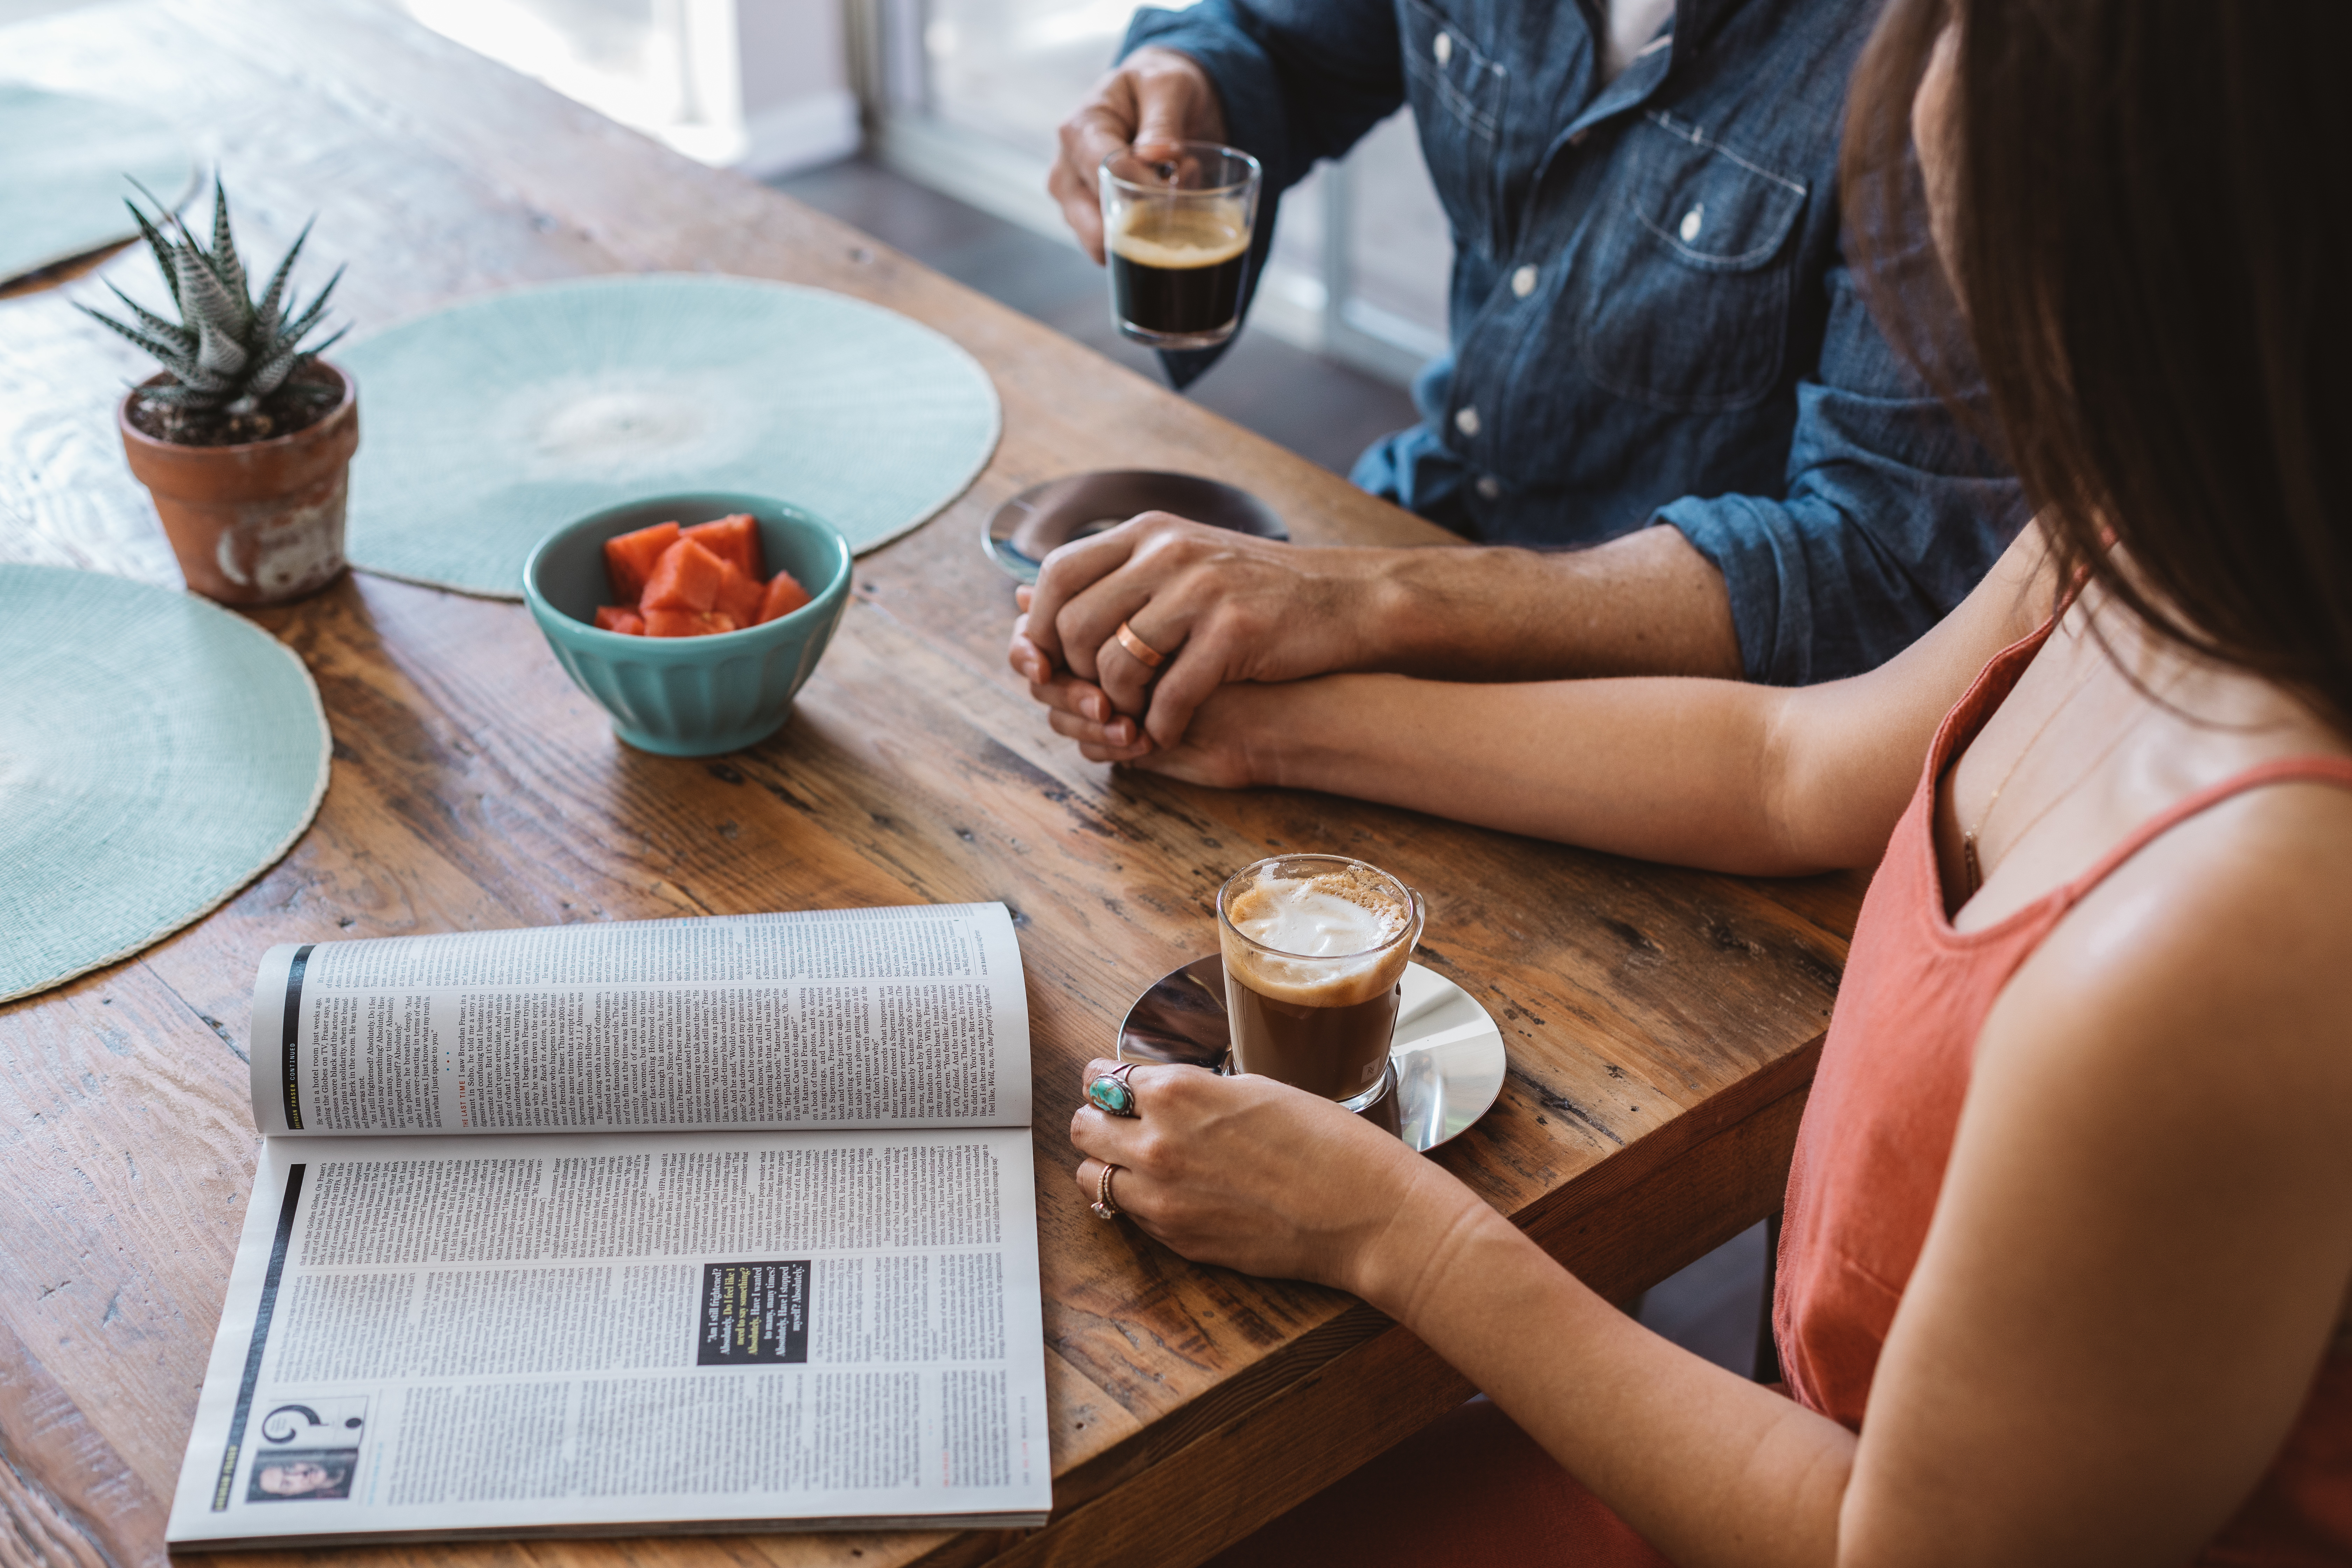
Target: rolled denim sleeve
pixel 1893 513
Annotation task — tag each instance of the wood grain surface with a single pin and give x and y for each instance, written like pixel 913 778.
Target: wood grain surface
pixel 1662 1024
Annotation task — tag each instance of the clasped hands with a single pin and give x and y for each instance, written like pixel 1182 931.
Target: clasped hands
pixel 1228 612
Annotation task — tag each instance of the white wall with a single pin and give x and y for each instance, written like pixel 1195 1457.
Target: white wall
pixel 771 76
pixel 759 85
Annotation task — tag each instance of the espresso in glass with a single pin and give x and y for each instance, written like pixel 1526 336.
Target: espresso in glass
pixel 1177 218
pixel 1314 948
pixel 1176 272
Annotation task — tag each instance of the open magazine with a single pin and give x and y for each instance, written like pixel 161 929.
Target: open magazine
pixel 665 1225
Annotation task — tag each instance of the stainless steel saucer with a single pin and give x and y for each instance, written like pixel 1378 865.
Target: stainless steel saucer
pixel 1447 1055
pixel 1041 518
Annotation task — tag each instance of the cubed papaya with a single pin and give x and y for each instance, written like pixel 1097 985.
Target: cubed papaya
pixel 739 595
pixel 630 559
pixel 620 618
pixel 782 596
pixel 735 539
pixel 687 578
pixel 690 623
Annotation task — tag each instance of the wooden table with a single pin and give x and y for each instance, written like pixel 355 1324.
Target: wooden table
pixel 1662 1025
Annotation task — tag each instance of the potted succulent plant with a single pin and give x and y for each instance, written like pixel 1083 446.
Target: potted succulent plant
pixel 244 438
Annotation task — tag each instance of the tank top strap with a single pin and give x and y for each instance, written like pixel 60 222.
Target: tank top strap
pixel 2334 771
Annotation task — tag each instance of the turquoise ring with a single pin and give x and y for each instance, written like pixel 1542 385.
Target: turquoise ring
pixel 1111 1093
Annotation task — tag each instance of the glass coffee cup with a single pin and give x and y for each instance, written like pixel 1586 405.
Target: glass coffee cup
pixel 1314 948
pixel 1176 235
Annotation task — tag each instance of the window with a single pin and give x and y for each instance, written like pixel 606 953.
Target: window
pixel 967 95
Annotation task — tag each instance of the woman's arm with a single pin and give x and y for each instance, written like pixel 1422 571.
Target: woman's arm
pixel 2141 1248
pixel 1248 1172
pixel 1735 777
pixel 2144 1238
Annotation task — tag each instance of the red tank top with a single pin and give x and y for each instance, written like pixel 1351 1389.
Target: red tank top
pixel 1878 1129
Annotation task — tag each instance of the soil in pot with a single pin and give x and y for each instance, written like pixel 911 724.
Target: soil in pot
pixel 308 396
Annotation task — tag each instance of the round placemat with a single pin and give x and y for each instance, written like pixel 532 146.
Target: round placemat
pixel 156 754
pixel 61 181
pixel 492 421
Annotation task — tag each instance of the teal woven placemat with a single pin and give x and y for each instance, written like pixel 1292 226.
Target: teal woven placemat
pixel 156 754
pixel 485 424
pixel 62 162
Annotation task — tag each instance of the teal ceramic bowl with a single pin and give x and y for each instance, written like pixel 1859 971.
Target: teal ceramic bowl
pixel 689 697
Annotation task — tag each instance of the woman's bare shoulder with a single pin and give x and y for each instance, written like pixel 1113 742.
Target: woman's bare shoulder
pixel 2220 951
pixel 2153 1169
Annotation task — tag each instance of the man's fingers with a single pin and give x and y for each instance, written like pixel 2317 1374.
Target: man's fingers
pixel 1155 95
pixel 1100 128
pixel 1125 676
pixel 1088 624
pixel 1174 98
pixel 1081 206
pixel 1065 574
pixel 1191 679
pixel 1163 104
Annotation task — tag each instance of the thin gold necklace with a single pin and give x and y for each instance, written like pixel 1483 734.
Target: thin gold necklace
pixel 1969 834
pixel 1969 859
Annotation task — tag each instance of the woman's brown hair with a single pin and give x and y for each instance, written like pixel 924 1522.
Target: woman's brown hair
pixel 2149 233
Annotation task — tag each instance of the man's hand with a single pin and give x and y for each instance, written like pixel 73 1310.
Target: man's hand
pixel 1232 614
pixel 1219 606
pixel 1153 96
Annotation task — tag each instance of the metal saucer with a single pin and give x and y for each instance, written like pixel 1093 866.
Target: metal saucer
pixel 1041 518
pixel 1447 1058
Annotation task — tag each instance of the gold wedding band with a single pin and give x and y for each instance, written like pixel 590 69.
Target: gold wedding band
pixel 1149 656
pixel 1104 1208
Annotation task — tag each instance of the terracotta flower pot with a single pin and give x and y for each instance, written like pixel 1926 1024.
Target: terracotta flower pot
pixel 259 523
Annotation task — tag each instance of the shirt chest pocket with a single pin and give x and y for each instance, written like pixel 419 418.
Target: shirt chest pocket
pixel 1458 92
pixel 1683 298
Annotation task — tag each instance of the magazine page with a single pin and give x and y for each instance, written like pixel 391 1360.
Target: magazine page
pixel 856 1018
pixel 584 1335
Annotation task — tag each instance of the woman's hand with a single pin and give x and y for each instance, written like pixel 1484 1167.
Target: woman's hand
pixel 1233 742
pixel 1259 1176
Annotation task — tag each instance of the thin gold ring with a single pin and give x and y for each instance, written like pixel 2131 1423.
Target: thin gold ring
pixel 1144 653
pixel 1104 1208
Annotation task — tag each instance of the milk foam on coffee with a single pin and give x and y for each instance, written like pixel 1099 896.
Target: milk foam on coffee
pixel 1333 912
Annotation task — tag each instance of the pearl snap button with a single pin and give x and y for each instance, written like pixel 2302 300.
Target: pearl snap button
pixel 1466 421
pixel 1442 48
pixel 1523 281
pixel 1490 486
pixel 1691 221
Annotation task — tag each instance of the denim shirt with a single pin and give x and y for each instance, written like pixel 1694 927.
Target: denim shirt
pixel 1650 319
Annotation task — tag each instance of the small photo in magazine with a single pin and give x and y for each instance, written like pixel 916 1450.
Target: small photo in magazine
pixel 310 1449
pixel 291 1475
pixel 310 1421
pixel 754 1313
